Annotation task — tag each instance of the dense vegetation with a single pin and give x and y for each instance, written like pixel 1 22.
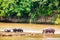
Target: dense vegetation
pixel 30 9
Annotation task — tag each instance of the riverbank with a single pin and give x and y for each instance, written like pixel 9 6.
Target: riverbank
pixel 33 28
pixel 32 35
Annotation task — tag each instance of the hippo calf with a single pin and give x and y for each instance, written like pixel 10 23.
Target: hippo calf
pixel 7 30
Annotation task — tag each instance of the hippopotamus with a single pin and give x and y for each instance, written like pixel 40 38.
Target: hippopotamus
pixel 7 30
pixel 20 30
pixel 48 30
pixel 17 30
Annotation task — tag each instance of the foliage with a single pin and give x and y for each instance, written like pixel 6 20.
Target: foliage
pixel 28 8
pixel 57 21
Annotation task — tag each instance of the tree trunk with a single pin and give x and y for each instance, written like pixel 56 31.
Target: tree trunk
pixel 30 21
pixel 1 18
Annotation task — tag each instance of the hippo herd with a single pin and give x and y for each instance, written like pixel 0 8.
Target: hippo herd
pixel 14 30
pixel 48 30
